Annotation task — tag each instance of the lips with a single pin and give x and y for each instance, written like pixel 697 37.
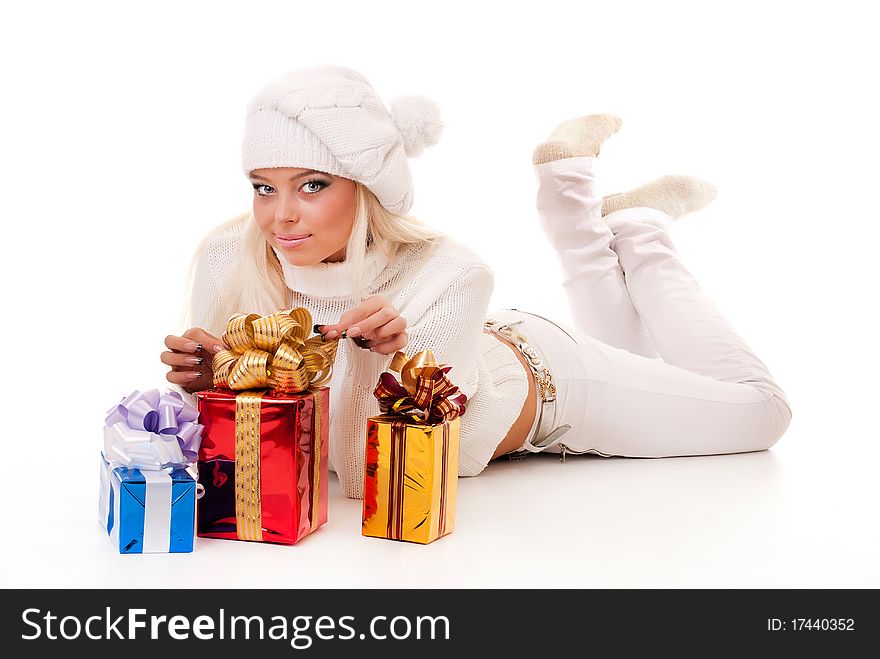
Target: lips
pixel 292 236
pixel 290 243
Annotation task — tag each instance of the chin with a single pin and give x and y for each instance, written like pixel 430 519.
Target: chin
pixel 300 257
pixel 297 258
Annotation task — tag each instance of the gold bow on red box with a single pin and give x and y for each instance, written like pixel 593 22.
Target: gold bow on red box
pixel 280 375
pixel 274 351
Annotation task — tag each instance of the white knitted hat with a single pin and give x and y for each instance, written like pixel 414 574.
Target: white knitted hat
pixel 329 118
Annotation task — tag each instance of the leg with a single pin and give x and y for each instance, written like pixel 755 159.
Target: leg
pixel 627 405
pixel 686 327
pixel 619 403
pixel 710 393
pixel 570 211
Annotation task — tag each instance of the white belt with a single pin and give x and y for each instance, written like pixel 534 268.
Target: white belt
pixel 547 390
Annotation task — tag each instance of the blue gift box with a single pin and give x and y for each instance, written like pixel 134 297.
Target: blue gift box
pixel 148 511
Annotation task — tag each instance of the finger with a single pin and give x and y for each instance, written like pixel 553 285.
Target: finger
pixel 181 344
pixel 184 378
pixel 388 348
pixel 195 339
pixel 178 359
pixel 326 332
pixel 398 342
pixel 386 331
pixel 367 325
pixel 210 343
pixel 364 310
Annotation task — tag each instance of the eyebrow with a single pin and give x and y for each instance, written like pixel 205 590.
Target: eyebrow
pixel 292 178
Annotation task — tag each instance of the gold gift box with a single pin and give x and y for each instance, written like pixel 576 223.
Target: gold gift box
pixel 410 479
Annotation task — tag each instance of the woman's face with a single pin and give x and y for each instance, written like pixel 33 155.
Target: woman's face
pixel 291 203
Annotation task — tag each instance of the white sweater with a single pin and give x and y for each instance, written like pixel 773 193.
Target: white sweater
pixel 443 293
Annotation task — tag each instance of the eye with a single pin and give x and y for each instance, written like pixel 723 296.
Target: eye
pixel 314 181
pixel 317 184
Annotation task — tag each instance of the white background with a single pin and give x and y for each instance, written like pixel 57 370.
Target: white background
pixel 121 131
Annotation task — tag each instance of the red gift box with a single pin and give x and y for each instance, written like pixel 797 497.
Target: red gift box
pixel 263 464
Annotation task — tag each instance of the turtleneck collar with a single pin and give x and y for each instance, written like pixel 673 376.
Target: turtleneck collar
pixel 332 280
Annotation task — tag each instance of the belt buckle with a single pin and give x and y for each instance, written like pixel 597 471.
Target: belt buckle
pixel 547 388
pixel 542 374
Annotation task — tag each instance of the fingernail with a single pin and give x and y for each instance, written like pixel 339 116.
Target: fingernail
pixel 317 328
pixel 354 331
pixel 194 375
pixel 218 348
pixel 192 346
pixel 193 360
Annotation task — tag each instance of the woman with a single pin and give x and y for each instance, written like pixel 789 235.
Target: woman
pixel 650 370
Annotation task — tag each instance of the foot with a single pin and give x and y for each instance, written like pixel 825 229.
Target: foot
pixel 581 136
pixel 675 195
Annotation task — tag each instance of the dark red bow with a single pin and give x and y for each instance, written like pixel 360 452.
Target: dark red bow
pixel 425 395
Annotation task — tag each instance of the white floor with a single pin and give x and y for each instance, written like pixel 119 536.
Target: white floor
pixel 793 516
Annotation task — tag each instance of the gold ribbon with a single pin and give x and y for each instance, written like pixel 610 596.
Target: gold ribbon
pixel 269 352
pixel 248 502
pixel 274 351
pixel 316 471
pixel 421 363
pixel 424 393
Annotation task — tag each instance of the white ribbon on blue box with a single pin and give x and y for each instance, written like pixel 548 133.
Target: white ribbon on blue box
pixel 148 496
pixel 148 511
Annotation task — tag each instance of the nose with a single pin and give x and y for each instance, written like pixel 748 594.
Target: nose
pixel 285 209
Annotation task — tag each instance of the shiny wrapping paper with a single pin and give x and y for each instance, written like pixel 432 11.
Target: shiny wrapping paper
pixel 411 466
pixel 411 479
pixel 263 458
pixel 147 498
pixel 286 468
pixel 131 512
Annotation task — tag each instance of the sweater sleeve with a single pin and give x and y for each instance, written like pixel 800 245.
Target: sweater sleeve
pixel 205 296
pixel 451 327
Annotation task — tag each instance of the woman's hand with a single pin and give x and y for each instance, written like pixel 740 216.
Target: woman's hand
pixel 191 357
pixel 374 325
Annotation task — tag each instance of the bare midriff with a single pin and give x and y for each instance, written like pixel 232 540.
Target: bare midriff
pixel 518 432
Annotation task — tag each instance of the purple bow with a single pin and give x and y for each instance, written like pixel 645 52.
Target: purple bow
pixel 150 431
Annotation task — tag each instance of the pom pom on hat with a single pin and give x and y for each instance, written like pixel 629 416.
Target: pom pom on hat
pixel 418 120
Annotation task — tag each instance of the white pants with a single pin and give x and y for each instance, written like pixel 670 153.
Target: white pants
pixel 651 368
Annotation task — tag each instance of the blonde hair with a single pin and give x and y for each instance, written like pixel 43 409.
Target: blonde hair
pixel 255 283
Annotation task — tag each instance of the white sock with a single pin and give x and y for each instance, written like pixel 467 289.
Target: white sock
pixel 675 195
pixel 582 136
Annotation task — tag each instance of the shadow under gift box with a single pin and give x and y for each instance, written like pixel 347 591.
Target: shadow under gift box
pixel 282 496
pixel 410 479
pixel 147 512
